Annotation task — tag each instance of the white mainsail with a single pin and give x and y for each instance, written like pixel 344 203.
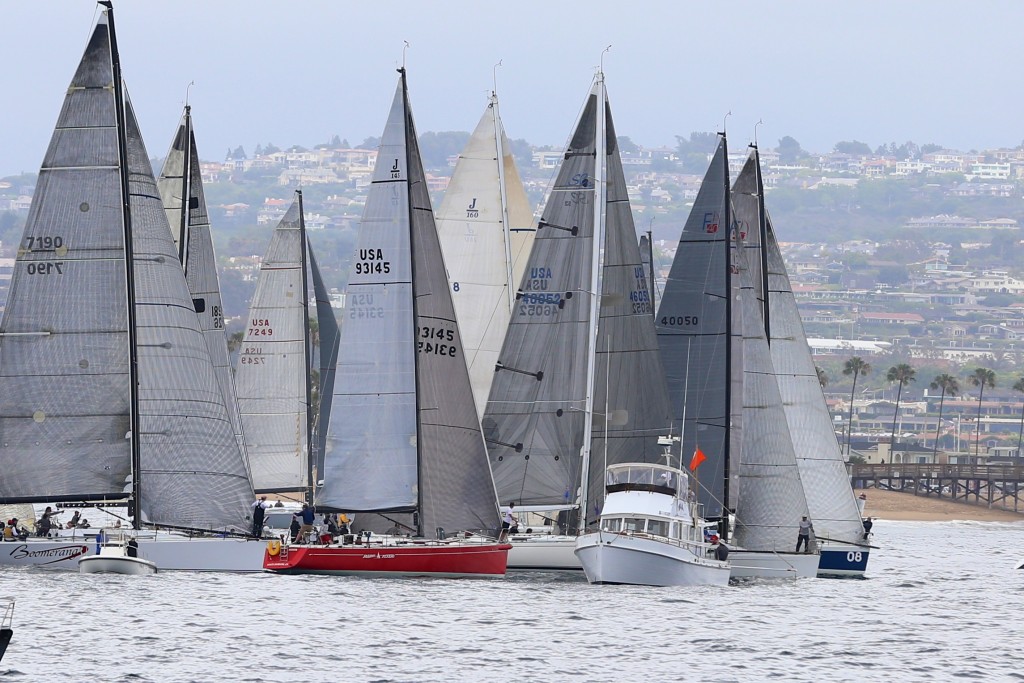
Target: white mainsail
pixel 486 229
pixel 404 435
pixel 272 379
pixel 181 189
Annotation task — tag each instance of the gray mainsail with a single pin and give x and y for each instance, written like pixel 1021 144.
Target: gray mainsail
pixel 771 500
pixel 630 392
pixel 124 389
pixel 273 367
pixel 694 324
pixel 558 363
pixel 830 498
pixel 486 228
pixel 181 189
pixel 404 434
pixel 535 417
pixel 64 376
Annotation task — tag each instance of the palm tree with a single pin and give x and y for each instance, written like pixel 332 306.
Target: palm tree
pixel 982 377
pixel 903 374
pixel 822 377
pixel 856 366
pixel 948 385
pixel 1019 386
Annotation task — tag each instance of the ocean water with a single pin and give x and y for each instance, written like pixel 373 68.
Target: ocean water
pixel 943 603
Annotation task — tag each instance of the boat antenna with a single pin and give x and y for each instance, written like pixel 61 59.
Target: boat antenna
pixel 601 67
pixel 759 122
pixel 494 78
pixel 187 88
pixel 727 115
pixel 404 50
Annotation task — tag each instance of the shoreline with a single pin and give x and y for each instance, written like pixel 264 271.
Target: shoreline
pixel 904 506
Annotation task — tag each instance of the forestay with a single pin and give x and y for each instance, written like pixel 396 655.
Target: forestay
pixel 486 229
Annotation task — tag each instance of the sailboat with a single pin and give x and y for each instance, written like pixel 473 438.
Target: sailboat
pixel 831 501
pixel 404 446
pixel 486 229
pixel 771 500
pixel 105 376
pixel 578 385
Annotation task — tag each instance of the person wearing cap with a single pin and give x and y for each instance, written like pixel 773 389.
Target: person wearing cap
pixel 259 512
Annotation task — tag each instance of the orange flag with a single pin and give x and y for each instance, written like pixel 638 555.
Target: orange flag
pixel 697 459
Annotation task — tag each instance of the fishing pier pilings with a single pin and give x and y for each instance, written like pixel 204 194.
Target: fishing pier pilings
pixel 994 486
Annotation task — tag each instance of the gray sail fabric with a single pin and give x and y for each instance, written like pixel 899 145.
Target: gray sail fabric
pixel 327 353
pixel 746 201
pixel 192 472
pixel 645 260
pixel 200 258
pixel 771 499
pixel 534 422
pixel 272 365
pixel 631 404
pixel 404 434
pixel 830 498
pixel 694 333
pixel 370 456
pixel 64 375
pixel 486 229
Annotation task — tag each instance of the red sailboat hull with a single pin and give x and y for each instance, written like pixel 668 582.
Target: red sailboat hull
pixel 471 560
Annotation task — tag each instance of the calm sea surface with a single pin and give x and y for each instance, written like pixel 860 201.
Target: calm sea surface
pixel 943 602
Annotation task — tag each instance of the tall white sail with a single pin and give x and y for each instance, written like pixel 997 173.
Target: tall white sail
pixel 404 433
pixel 696 330
pixel 64 375
pixel 273 367
pixel 830 498
pixel 486 229
pixel 181 189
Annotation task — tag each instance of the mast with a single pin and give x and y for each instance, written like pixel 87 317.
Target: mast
pixel 595 295
pixel 186 191
pixel 133 359
pixel 505 227
pixel 762 232
pixel 418 515
pixel 306 352
pixel 723 530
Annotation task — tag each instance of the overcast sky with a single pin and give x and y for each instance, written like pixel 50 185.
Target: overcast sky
pixel 299 72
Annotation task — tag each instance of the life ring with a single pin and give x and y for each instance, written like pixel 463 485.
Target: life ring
pixel 273 547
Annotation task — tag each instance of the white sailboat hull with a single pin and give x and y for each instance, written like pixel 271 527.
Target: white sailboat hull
pixel 107 564
pixel 168 551
pixel 621 559
pixel 749 564
pixel 543 553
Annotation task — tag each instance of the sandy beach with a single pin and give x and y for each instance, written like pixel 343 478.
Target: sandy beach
pixel 894 505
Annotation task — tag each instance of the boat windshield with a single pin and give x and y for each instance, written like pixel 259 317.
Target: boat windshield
pixel 647 477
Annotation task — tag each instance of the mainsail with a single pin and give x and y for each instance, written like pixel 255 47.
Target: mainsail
pixel 696 331
pixel 273 368
pixel 105 373
pixel 580 346
pixel 404 433
pixel 830 498
pixel 771 499
pixel 486 229
pixel 181 189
